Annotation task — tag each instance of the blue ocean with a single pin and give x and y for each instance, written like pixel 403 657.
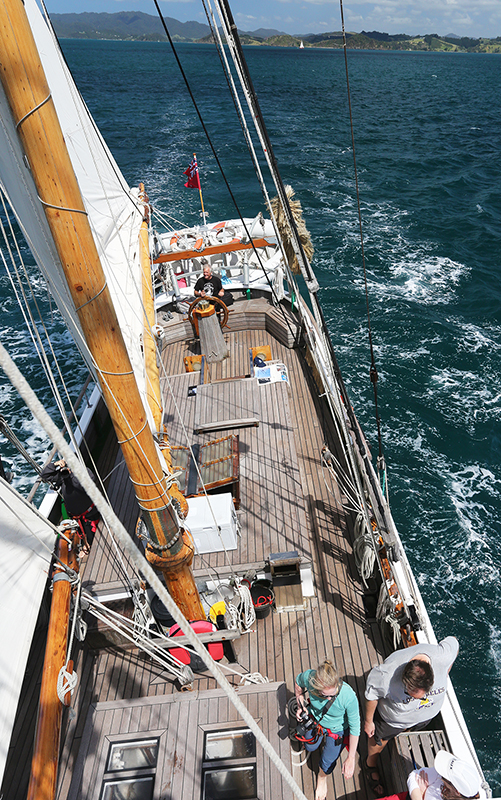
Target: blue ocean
pixel 427 136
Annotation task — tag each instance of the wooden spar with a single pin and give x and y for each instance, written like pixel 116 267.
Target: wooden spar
pixel 150 355
pixel 43 777
pixel 38 127
pixel 231 247
pixel 153 393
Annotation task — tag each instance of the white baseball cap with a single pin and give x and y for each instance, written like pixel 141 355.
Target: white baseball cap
pixel 463 776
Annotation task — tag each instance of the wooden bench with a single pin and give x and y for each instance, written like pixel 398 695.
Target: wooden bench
pixel 244 315
pixel 414 750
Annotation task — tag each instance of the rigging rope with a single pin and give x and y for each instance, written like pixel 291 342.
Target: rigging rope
pixel 140 562
pixel 30 321
pixel 373 370
pixel 218 162
pixel 233 41
pixel 238 108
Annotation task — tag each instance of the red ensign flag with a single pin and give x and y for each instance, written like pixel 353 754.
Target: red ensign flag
pixel 193 181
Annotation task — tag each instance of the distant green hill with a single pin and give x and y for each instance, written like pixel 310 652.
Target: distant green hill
pixel 402 41
pixel 145 27
pixel 284 40
pixel 124 25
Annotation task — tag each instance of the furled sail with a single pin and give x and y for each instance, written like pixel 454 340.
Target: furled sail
pixel 114 211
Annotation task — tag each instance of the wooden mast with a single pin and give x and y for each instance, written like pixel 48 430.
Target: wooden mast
pixel 38 126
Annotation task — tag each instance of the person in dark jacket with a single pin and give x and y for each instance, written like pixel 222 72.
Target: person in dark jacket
pixel 209 285
pixel 77 502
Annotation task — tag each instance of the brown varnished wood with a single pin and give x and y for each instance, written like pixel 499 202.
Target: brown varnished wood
pixel 231 247
pixel 45 761
pixel 27 91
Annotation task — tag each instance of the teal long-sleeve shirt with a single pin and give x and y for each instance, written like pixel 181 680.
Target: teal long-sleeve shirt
pixel 344 713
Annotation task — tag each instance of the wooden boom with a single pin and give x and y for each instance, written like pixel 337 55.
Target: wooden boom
pixel 210 250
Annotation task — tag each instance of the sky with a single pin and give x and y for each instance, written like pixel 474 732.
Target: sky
pixel 474 18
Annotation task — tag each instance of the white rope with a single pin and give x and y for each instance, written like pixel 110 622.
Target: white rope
pixel 247 615
pixel 384 613
pixel 128 629
pixel 363 549
pixel 253 677
pixel 66 682
pixel 142 565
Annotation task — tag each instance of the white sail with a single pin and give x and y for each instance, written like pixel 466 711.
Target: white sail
pixel 26 544
pixel 113 210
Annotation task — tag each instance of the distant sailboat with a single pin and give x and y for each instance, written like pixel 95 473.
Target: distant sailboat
pixel 301 46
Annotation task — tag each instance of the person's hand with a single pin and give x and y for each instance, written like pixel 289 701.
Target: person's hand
pixel 369 728
pixel 348 767
pixel 300 706
pixel 422 781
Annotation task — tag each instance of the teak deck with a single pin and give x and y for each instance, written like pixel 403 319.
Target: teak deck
pixel 288 502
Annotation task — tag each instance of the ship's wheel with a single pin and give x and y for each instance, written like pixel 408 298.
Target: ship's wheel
pixel 212 300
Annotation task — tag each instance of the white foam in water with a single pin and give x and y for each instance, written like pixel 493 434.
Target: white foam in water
pixel 474 338
pixel 495 649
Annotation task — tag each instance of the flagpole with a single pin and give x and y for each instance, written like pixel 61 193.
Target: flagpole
pixel 199 188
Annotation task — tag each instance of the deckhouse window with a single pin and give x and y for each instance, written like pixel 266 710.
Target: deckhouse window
pixel 229 765
pixel 138 788
pixel 130 770
pixel 132 755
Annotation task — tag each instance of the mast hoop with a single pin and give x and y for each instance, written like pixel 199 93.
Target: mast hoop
pixel 153 483
pixel 32 111
pixel 163 496
pixel 134 435
pixel 62 576
pixel 63 208
pixel 154 545
pixel 92 298
pixel 104 372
